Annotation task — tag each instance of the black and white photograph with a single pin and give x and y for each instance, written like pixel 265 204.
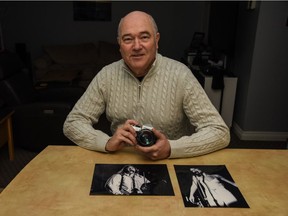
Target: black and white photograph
pixel 208 186
pixel 131 179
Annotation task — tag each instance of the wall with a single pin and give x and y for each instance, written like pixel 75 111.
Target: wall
pixel 260 54
pixel 262 66
pixel 40 23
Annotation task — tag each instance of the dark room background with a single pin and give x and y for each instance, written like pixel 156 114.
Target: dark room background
pixel 43 23
pixel 256 39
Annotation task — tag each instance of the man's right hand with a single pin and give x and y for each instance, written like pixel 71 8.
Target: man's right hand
pixel 125 134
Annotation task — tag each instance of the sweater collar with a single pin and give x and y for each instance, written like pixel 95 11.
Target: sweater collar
pixel 151 70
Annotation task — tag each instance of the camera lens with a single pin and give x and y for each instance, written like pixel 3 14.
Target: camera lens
pixel 146 137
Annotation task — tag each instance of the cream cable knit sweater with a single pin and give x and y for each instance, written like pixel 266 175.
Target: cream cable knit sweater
pixel 169 98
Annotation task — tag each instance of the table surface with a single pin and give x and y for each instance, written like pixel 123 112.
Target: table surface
pixel 58 181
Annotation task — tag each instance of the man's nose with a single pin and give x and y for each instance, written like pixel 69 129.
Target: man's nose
pixel 137 43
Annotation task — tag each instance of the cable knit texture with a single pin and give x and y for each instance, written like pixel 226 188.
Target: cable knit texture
pixel 169 98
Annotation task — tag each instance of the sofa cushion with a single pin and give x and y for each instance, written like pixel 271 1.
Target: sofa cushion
pixel 108 53
pixel 42 62
pixel 61 76
pixel 72 54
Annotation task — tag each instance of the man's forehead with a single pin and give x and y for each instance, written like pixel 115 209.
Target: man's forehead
pixel 134 25
pixel 136 15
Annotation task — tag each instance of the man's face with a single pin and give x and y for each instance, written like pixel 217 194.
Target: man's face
pixel 138 43
pixel 131 171
pixel 196 171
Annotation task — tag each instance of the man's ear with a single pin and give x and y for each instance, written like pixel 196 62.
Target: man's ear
pixel 119 43
pixel 157 39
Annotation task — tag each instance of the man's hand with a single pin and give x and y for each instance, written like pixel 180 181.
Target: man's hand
pixel 125 134
pixel 192 199
pixel 160 150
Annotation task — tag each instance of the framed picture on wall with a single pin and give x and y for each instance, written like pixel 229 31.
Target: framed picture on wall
pixel 92 10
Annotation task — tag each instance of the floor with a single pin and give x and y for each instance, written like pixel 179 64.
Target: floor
pixel 9 169
pixel 237 143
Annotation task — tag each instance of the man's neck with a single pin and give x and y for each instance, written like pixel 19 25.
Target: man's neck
pixel 140 78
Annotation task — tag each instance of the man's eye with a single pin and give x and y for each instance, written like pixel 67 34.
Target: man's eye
pixel 127 40
pixel 145 37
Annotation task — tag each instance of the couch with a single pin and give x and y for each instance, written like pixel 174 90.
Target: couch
pixel 74 63
pixel 39 114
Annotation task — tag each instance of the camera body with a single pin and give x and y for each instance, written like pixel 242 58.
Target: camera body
pixel 145 136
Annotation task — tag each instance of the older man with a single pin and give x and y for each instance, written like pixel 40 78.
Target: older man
pixel 147 88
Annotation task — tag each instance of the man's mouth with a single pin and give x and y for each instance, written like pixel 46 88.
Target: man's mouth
pixel 137 55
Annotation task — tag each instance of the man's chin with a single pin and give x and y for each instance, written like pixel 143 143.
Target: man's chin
pixel 137 67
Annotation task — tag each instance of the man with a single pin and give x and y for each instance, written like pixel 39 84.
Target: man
pixel 126 181
pixel 147 88
pixel 207 191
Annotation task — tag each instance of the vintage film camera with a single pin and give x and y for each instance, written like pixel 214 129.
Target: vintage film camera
pixel 145 136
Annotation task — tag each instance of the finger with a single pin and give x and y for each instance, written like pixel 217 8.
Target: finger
pixel 154 156
pixel 127 141
pixel 147 152
pixel 158 134
pixel 125 133
pixel 146 149
pixel 132 131
pixel 131 122
pixel 128 127
pixel 123 136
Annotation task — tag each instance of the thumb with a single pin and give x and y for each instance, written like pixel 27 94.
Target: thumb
pixel 158 133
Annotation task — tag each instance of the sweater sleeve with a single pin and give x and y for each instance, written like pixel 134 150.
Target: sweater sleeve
pixel 211 132
pixel 78 126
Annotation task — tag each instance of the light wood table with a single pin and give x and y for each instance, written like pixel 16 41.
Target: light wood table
pixel 58 181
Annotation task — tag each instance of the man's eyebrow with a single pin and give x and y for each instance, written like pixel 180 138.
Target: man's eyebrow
pixel 126 35
pixel 145 32
pixel 141 33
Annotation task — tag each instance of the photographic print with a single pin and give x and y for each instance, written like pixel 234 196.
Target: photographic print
pixel 208 186
pixel 131 179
